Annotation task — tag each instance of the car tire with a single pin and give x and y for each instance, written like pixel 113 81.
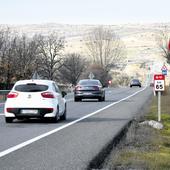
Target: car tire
pixel 100 99
pixel 57 117
pixel 76 99
pixel 63 117
pixel 103 98
pixel 8 119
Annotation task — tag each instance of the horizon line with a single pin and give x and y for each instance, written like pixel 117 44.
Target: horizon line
pixel 90 24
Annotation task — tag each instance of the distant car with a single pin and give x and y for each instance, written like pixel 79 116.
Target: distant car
pixel 35 99
pixel 89 89
pixel 135 82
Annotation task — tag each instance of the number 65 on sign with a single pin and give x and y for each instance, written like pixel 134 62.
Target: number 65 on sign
pixel 159 82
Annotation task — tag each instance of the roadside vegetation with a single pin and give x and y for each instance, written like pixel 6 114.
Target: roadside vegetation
pixel 163 41
pixel 143 146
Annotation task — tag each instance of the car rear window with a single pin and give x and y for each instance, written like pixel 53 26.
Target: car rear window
pixel 135 80
pixel 31 87
pixel 89 82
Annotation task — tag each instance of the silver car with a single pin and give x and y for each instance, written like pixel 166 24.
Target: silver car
pixel 89 89
pixel 135 82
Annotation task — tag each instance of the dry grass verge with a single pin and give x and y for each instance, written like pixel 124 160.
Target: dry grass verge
pixel 143 146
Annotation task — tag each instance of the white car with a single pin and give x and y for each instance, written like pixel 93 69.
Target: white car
pixel 35 99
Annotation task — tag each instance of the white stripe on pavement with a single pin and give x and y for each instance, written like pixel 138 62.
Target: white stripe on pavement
pixel 28 142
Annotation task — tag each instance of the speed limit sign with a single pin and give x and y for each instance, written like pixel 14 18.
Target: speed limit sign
pixel 159 82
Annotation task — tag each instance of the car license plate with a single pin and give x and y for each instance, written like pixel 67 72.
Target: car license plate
pixel 87 93
pixel 29 111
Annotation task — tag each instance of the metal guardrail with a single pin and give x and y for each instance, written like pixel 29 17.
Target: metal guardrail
pixel 3 94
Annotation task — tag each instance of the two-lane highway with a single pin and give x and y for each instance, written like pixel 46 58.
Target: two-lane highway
pixel 73 143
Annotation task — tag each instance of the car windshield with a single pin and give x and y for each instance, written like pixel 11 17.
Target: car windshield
pixel 89 82
pixel 135 80
pixel 31 87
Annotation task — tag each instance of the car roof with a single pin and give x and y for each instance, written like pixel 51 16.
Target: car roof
pixel 47 82
pixel 135 79
pixel 89 80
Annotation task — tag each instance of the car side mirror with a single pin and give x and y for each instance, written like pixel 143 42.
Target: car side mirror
pixel 63 93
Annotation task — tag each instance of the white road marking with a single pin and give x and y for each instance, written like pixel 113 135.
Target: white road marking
pixel 28 142
pixel 1 114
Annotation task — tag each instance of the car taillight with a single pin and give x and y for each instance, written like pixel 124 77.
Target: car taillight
pixel 10 110
pixel 47 95
pixel 96 87
pixel 12 95
pixel 49 110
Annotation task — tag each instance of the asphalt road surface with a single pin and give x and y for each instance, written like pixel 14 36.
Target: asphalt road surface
pixel 70 144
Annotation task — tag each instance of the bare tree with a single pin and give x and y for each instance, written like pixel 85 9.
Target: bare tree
pixel 17 56
pixel 163 40
pixel 7 57
pixel 73 66
pixel 25 56
pixel 2 42
pixel 1 38
pixel 50 48
pixel 105 47
pixel 99 73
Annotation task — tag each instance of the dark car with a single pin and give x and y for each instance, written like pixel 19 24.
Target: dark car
pixel 135 82
pixel 89 89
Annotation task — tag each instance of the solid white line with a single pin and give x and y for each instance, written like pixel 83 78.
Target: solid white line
pixel 1 114
pixel 21 145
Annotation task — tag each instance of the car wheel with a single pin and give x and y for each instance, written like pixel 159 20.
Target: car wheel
pixel 63 117
pixel 8 119
pixel 76 99
pixel 100 99
pixel 57 117
pixel 103 98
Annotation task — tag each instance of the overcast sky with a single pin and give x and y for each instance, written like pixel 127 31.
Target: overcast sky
pixel 84 11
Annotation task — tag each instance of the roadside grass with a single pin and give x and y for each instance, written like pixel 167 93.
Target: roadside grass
pixel 145 147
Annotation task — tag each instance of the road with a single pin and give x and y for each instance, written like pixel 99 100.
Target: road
pixel 70 144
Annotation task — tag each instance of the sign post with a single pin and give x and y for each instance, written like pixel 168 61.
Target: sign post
pixel 159 86
pixel 159 106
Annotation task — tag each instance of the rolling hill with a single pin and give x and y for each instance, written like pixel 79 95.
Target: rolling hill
pixel 139 39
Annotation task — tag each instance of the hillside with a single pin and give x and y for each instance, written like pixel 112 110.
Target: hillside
pixel 139 39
